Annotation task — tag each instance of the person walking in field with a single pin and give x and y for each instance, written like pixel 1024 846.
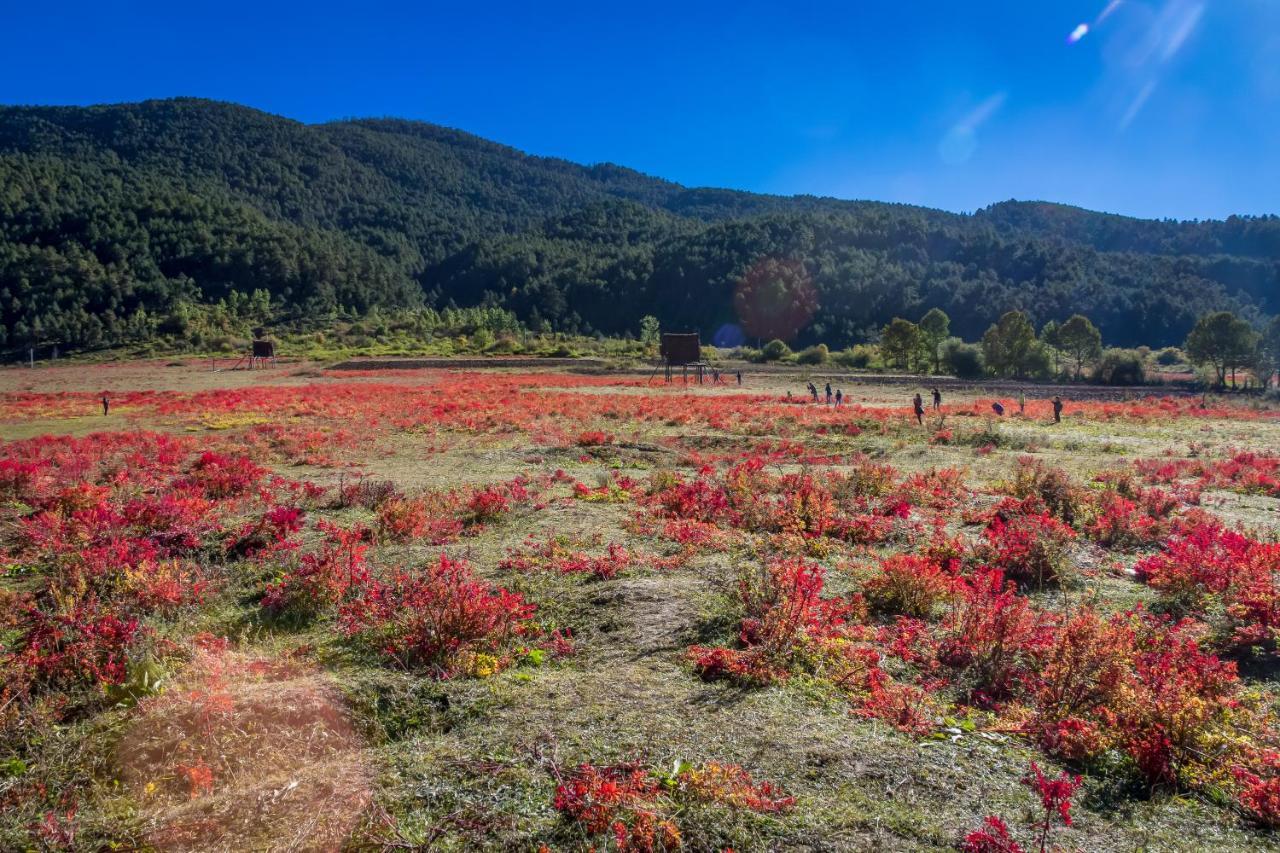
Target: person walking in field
pixel 1022 403
pixel 813 390
pixel 1057 410
pixel 937 399
pixel 739 377
pixel 106 405
pixel 918 405
pixel 839 397
pixel 828 393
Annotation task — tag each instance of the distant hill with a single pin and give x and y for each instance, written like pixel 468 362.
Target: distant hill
pixel 113 218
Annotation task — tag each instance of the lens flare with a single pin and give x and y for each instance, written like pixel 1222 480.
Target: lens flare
pixel 728 336
pixel 775 299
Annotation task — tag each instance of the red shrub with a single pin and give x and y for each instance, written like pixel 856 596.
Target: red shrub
pixel 322 579
pixel 219 476
pixel 993 635
pixel 1055 799
pixel 428 516
pixel 1220 574
pixel 908 585
pixel 1031 550
pixel 84 643
pixel 639 807
pixel 594 796
pixel 429 618
pixel 992 837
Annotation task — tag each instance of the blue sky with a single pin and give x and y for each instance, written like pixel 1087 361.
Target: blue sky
pixel 1163 108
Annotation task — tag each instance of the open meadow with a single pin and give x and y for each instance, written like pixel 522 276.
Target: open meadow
pixel 305 608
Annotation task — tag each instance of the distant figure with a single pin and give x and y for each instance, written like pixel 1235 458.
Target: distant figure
pixel 739 377
pixel 828 393
pixel 1022 403
pixel 839 397
pixel 1057 410
pixel 788 395
pixel 937 399
pixel 997 408
pixel 918 405
pixel 106 405
pixel 813 389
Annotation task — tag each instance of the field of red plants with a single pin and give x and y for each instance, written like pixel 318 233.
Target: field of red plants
pixel 559 611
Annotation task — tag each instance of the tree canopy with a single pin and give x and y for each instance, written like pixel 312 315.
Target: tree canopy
pixel 1224 342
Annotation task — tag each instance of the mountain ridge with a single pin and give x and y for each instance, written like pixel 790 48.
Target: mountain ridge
pixel 118 208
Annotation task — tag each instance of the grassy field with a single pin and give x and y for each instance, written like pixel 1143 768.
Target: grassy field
pixel 277 610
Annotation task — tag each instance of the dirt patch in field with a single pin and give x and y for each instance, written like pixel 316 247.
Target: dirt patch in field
pixel 246 753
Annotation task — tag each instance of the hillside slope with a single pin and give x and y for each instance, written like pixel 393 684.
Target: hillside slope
pixel 114 218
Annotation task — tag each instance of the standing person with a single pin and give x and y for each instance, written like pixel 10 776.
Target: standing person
pixel 813 390
pixel 839 397
pixel 739 377
pixel 937 399
pixel 106 405
pixel 918 405
pixel 998 408
pixel 1057 410
pixel 828 393
pixel 1022 403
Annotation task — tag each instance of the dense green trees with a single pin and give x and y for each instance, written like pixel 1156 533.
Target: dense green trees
pixel 116 222
pixel 935 326
pixel 1007 346
pixel 1268 361
pixel 1080 340
pixel 900 343
pixel 1223 342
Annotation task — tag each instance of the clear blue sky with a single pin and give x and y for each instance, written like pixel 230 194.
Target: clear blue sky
pixel 1164 108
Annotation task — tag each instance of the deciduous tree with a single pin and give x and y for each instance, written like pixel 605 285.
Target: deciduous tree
pixel 1224 342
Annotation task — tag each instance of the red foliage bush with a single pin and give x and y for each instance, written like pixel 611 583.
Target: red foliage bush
pixel 1030 549
pixel 429 618
pixel 83 644
pixel 908 585
pixel 992 837
pixel 429 517
pixel 322 579
pixel 219 476
pixel 993 636
pixel 1212 572
pixel 639 808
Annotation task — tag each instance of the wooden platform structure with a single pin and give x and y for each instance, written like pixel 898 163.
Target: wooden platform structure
pixel 262 353
pixel 682 350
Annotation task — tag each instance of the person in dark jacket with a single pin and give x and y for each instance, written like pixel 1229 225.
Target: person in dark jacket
pixel 937 399
pixel 106 405
pixel 918 405
pixel 998 408
pixel 1057 410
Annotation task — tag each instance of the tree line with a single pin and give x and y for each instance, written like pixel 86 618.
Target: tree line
pixel 1220 343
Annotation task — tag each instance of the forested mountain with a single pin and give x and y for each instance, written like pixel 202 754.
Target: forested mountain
pixel 116 219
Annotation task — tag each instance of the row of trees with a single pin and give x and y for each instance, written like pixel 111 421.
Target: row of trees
pixel 1010 347
pixel 1220 341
